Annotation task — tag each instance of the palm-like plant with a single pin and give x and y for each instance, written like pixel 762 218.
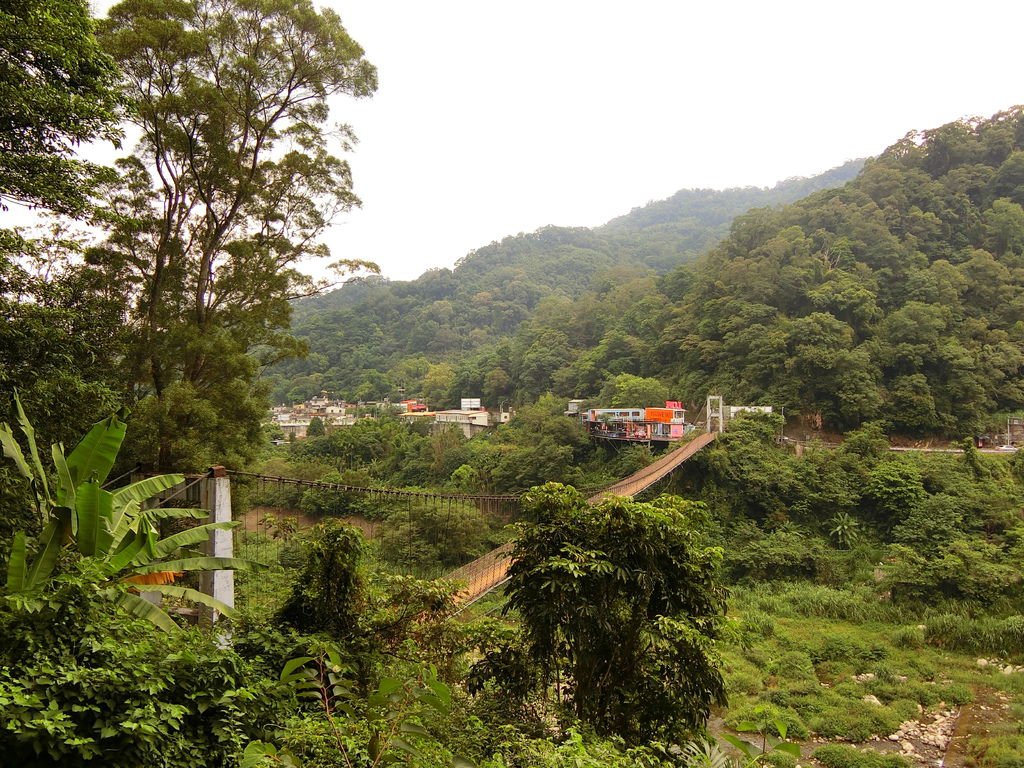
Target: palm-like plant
pixel 845 530
pixel 112 528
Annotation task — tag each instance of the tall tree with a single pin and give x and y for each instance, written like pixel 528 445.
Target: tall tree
pixel 231 183
pixel 621 603
pixel 57 89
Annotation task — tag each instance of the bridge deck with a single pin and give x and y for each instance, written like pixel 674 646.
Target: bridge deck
pixel 488 571
pixel 643 479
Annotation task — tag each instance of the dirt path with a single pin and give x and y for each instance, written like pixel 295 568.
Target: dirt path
pixel 976 719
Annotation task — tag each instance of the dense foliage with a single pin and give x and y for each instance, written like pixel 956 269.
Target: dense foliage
pixel 231 184
pixel 894 297
pixel 897 296
pixel 865 582
pixel 950 524
pixel 621 606
pixel 59 335
pixel 83 684
pixel 57 90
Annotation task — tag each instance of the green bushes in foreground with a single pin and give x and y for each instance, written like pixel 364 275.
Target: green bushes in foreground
pixel 83 684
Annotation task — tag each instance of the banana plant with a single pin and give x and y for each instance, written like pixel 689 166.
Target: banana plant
pixel 111 527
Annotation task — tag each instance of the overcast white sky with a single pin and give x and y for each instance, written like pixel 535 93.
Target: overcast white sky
pixel 494 118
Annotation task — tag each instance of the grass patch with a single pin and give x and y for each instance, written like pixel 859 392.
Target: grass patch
pixel 841 756
pixel 820 673
pixel 984 635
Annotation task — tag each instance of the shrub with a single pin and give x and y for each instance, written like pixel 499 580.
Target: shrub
pixel 742 681
pixel 1000 752
pixel 855 720
pixel 766 715
pixel 329 593
pixel 885 673
pixel 81 684
pixel 841 648
pixel 292 554
pixel 793 665
pixel 848 648
pixel 910 638
pixel 758 624
pixel 857 605
pixel 1003 637
pixel 780 760
pixel 957 693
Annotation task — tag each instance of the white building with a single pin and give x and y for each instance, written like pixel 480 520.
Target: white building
pixel 470 422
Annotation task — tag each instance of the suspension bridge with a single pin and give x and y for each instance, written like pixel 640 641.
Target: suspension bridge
pixel 491 570
pixel 411 507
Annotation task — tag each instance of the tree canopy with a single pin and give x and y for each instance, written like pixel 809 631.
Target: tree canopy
pixel 57 90
pixel 620 603
pixel 480 320
pixel 230 185
pixel 899 295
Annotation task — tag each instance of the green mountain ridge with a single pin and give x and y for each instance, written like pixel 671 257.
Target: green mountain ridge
pixel 375 335
pixel 899 296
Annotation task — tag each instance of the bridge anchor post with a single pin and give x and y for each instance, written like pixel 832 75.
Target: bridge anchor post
pixel 216 497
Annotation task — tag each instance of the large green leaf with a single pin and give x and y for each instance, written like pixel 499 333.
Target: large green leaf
pixel 65 492
pixel 13 451
pixel 168 513
pixel 193 595
pixel 145 489
pixel 199 564
pixel 192 536
pixel 293 664
pixel 132 513
pixel 94 510
pixel 96 453
pixel 51 541
pixel 127 553
pixel 16 565
pixel 33 450
pixel 127 502
pixel 146 610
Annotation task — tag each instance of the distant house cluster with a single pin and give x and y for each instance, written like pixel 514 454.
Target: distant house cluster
pixel 294 420
pixel 470 418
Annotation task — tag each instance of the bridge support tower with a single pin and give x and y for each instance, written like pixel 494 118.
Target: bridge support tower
pixel 715 410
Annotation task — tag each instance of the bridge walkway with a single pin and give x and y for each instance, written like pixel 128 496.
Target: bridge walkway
pixel 491 570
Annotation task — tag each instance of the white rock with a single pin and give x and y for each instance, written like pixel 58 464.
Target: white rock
pixel 871 699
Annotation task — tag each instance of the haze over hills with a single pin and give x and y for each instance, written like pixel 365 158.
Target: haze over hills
pixel 359 333
pixel 675 229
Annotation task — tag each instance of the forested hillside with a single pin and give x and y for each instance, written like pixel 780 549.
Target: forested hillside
pixel 896 296
pixel 900 295
pixel 374 336
pixel 848 593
